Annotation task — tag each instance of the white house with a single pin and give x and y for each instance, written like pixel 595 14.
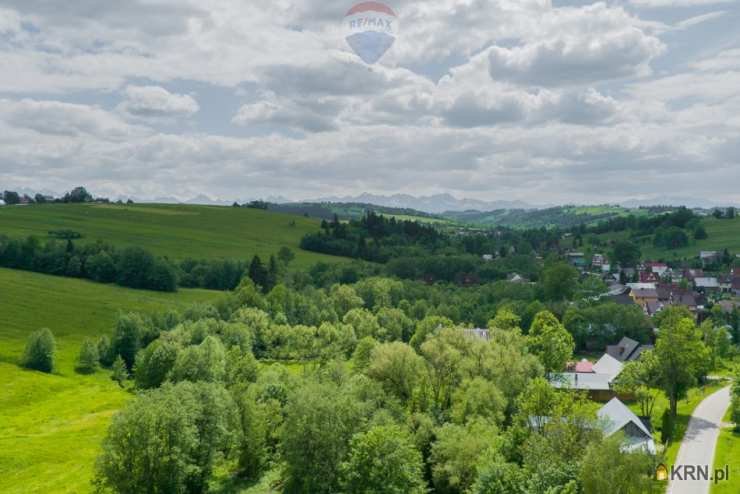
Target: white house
pixel 2 203
pixel 615 417
pixel 599 383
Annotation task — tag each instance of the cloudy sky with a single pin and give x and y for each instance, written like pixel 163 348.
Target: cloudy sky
pixel 537 100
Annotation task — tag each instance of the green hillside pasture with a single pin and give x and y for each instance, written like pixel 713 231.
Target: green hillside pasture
pixel 51 425
pixel 723 234
pixel 176 231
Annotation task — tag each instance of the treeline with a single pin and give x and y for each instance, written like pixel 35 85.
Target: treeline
pixel 412 250
pixel 76 195
pixel 372 238
pixel 679 218
pixel 134 267
pixel 396 397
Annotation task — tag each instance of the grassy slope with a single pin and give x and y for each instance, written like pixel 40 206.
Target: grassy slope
pixel 51 425
pixel 177 231
pixel 723 234
pixel 728 453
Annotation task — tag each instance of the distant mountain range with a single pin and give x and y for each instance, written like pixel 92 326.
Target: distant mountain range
pixel 435 204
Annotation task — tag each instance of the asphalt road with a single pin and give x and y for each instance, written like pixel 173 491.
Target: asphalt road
pixel 699 444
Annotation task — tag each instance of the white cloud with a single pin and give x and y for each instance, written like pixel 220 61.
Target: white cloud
pixel 700 19
pixel 677 3
pixel 516 98
pixel 156 102
pixel 64 119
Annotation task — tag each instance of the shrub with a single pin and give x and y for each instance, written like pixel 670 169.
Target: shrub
pixel 666 432
pixel 89 358
pixel 40 351
pixel 120 372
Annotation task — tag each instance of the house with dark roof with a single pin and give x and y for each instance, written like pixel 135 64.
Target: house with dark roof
pixel 707 284
pixel 616 417
pixel 627 350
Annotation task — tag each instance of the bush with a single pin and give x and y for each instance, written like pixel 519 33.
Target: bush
pixel 40 351
pixel 89 358
pixel 193 424
pixel 154 363
pixel 666 431
pixel 120 373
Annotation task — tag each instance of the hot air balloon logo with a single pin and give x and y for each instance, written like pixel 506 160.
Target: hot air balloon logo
pixel 371 29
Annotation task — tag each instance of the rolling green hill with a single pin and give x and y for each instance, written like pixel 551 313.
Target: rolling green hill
pixel 561 216
pixel 723 234
pixel 51 425
pixel 355 211
pixel 176 231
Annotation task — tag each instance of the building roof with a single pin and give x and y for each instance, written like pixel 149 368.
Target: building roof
pixel 609 366
pixel 706 282
pixel 646 293
pixel 708 254
pixel 574 380
pixel 622 350
pixel 615 416
pixel 687 299
pixel 642 286
pixel 584 367
pixel 653 307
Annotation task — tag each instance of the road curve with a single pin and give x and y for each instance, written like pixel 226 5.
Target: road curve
pixel 699 443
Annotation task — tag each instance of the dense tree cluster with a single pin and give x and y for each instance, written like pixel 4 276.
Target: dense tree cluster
pixel 412 250
pixel 132 266
pixel 394 397
pixel 372 238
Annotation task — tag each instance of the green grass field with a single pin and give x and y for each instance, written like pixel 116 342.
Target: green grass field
pixel 723 234
pixel 51 425
pixel 685 410
pixel 176 231
pixel 728 453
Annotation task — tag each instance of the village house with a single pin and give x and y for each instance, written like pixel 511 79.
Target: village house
pixel 725 283
pixel 708 257
pixel 598 382
pixel 657 267
pixel 627 350
pixel 577 259
pixel 642 296
pixel 616 417
pixel 707 284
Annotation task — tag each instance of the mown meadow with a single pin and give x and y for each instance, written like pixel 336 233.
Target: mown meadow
pixel 175 231
pixel 51 425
